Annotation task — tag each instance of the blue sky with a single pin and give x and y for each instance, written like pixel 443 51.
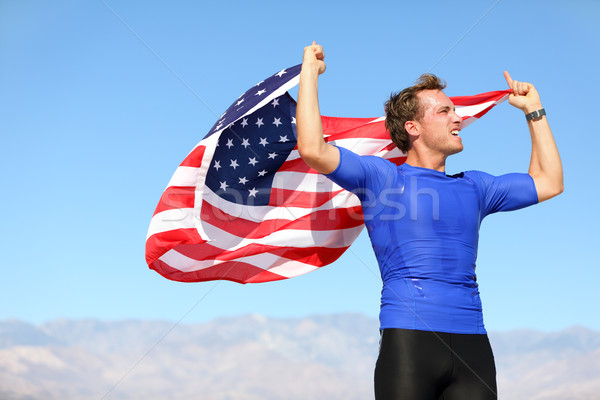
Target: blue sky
pixel 101 100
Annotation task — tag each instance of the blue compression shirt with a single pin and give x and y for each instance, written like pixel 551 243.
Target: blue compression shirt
pixel 424 228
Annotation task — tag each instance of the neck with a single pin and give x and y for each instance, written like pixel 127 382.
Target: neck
pixel 435 162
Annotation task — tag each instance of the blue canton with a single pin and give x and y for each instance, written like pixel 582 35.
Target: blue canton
pixel 251 150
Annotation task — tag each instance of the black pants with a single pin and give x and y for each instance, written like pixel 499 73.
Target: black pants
pixel 420 365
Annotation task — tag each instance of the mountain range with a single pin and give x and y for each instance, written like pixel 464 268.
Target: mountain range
pixel 253 357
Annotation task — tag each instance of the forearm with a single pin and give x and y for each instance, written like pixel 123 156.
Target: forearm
pixel 312 147
pixel 308 116
pixel 545 166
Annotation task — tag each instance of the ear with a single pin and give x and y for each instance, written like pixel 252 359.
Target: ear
pixel 413 128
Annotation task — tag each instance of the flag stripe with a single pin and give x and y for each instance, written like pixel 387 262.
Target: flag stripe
pixel 322 220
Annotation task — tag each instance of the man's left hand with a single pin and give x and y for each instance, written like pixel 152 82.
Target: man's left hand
pixel 524 95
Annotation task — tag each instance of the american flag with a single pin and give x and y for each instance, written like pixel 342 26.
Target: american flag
pixel 243 206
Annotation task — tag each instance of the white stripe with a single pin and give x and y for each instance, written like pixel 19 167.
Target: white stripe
pixel 181 218
pixel 276 264
pixel 185 176
pixel 363 146
pixel 301 181
pixel 387 154
pixel 467 111
pixel 467 122
pixel 368 146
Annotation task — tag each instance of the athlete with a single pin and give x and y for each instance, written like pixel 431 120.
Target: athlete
pixel 424 227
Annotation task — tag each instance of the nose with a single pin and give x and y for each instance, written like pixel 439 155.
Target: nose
pixel 455 117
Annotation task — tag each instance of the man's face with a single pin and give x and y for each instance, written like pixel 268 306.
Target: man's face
pixel 440 123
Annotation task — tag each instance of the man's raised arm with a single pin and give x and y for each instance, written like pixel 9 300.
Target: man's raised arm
pixel 314 151
pixel 545 166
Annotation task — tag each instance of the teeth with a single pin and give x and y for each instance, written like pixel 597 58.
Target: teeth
pixel 455 132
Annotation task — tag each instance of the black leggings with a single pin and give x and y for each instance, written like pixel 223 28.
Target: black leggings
pixel 421 365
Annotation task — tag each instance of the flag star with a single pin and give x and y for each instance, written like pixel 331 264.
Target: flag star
pixel 258 84
pixel 229 143
pixel 223 185
pixel 293 120
pixel 280 73
pixel 244 122
pixel 272 155
pixel 239 102
pixel 217 165
pixel 277 122
pixel 243 180
pixel 221 121
pixel 264 142
pixel 218 127
pixel 253 192
pixel 234 164
pixel 253 161
pixel 245 142
pixel 259 122
pixel 260 92
pixel 275 102
pixel 283 139
pixel 262 173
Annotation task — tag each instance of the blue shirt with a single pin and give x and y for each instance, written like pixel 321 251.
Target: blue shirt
pixel 424 228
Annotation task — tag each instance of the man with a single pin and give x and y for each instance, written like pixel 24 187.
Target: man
pixel 423 226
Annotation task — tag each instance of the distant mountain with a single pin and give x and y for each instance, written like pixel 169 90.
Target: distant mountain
pixel 254 357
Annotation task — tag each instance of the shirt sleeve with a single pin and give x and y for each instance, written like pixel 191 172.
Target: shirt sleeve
pixel 365 176
pixel 505 192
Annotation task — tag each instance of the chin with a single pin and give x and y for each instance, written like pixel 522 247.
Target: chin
pixel 456 150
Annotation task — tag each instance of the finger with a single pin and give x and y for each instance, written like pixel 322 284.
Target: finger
pixel 319 52
pixel 509 80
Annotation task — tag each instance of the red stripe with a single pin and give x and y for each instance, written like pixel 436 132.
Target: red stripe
pixel 479 98
pixel 374 130
pixel 235 271
pixel 194 159
pixel 322 220
pixel 297 165
pixel 341 124
pixel 159 243
pixel 397 160
pixel 175 197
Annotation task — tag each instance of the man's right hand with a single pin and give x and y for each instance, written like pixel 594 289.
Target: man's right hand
pixel 313 58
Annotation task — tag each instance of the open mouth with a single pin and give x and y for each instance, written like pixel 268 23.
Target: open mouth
pixel 455 132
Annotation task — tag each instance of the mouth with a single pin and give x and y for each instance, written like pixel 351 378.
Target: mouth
pixel 454 132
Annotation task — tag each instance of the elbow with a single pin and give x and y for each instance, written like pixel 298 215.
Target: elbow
pixel 310 155
pixel 306 153
pixel 548 188
pixel 552 191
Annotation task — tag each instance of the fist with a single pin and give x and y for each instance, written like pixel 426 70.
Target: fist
pixel 313 58
pixel 524 96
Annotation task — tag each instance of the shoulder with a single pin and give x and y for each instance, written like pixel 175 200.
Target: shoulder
pixel 349 159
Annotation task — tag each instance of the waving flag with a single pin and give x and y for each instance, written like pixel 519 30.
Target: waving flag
pixel 243 206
